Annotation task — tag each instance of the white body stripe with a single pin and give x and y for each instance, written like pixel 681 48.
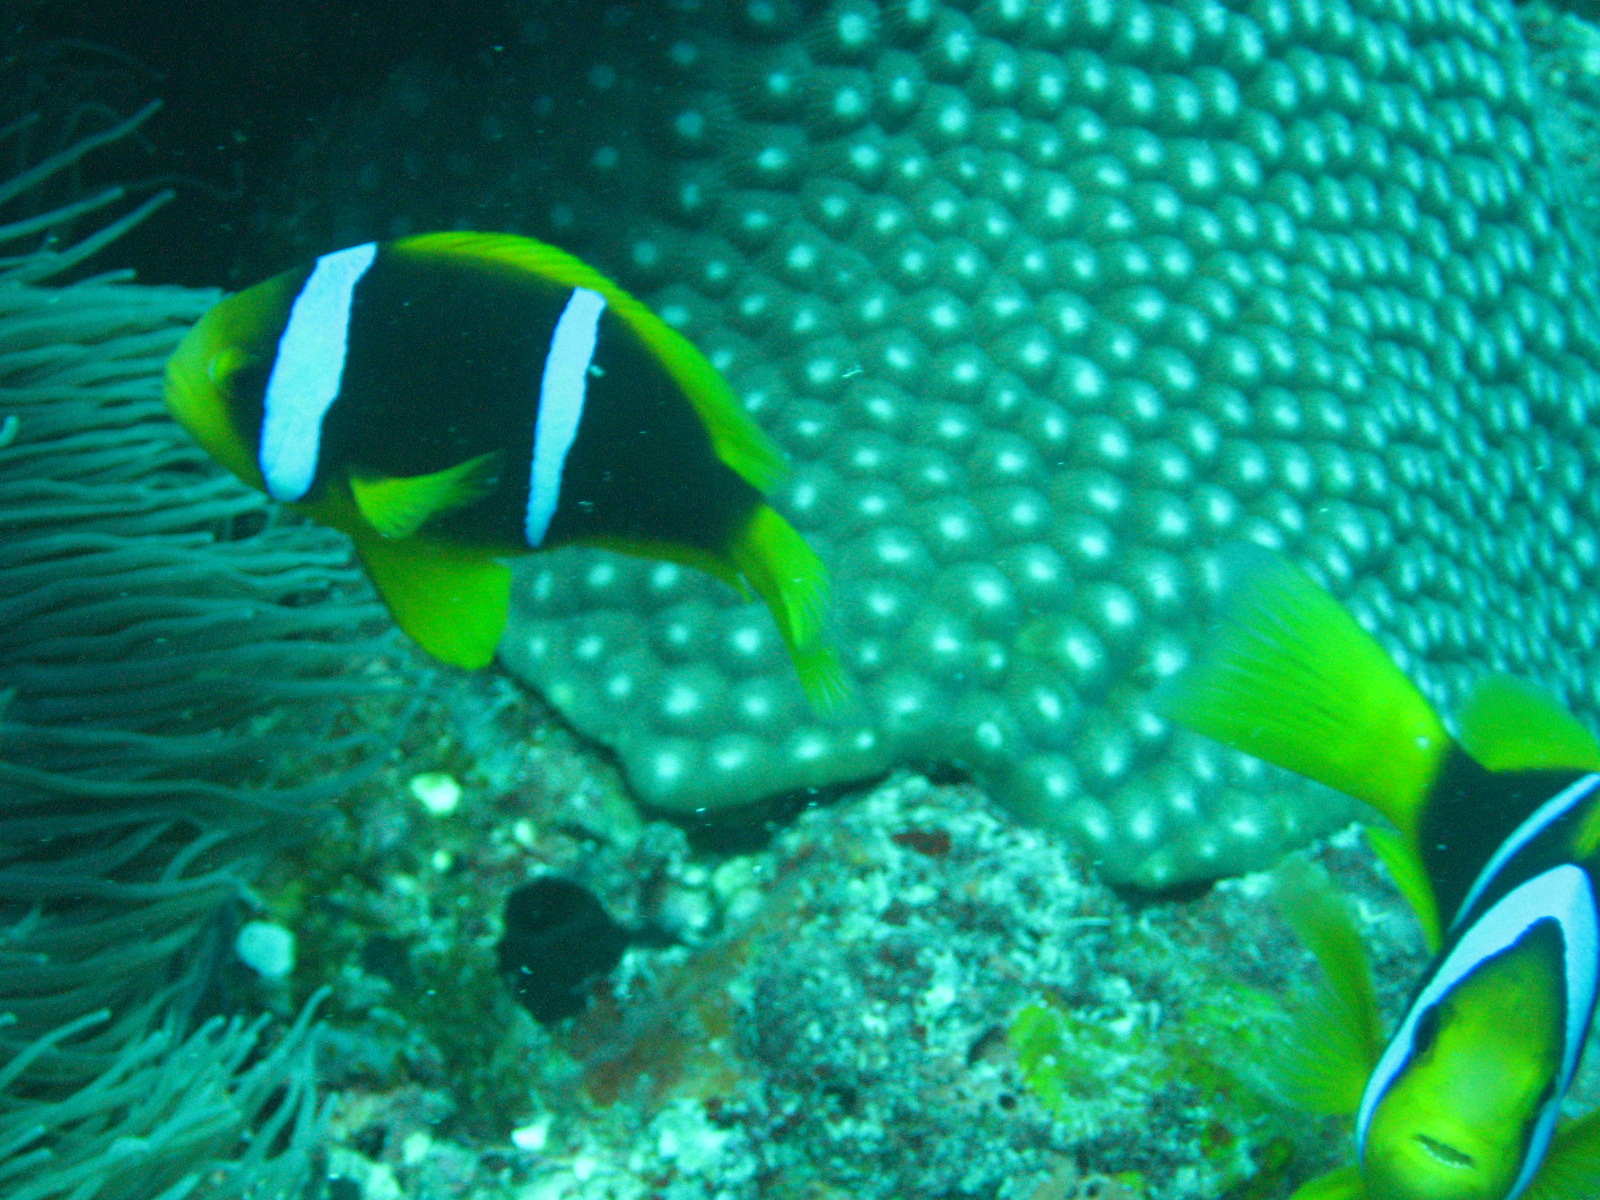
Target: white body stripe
pixel 307 373
pixel 1562 894
pixel 561 394
pixel 1551 810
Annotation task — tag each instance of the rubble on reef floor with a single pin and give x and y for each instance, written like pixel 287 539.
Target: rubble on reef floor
pixel 904 992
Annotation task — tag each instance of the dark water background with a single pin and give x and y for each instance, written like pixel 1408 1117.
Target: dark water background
pixel 241 83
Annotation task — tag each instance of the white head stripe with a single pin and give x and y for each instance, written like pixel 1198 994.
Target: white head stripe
pixel 1561 894
pixel 561 393
pixel 1541 819
pixel 307 372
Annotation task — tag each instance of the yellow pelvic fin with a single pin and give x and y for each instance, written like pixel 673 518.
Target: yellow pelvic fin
pixel 1291 678
pixel 398 507
pixel 738 440
pixel 1411 877
pixel 453 602
pixel 1337 1036
pixel 1571 1169
pixel 1509 724
pixel 1341 1184
pixel 787 574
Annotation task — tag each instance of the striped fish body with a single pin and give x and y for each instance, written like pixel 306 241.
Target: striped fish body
pixel 450 400
pixel 392 362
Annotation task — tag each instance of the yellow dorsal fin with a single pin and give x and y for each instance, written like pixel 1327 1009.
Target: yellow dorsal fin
pixel 788 575
pixel 1337 1035
pixel 453 602
pixel 739 442
pixel 1291 678
pixel 1571 1169
pixel 1411 877
pixel 1509 724
pixel 398 507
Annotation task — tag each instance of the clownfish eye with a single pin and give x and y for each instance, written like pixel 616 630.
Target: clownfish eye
pixel 238 374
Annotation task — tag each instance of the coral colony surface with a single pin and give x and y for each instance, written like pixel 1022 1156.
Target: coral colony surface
pixel 1045 301
pixel 906 994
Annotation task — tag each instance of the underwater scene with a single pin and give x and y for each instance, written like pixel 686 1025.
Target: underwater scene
pixel 813 599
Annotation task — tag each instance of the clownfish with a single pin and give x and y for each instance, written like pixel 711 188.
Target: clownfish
pixel 1496 846
pixel 454 399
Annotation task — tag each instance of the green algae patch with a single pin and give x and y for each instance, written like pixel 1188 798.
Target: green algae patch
pixel 1062 1055
pixel 1217 1055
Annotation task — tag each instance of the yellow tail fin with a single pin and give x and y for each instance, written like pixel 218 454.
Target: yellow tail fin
pixel 1291 678
pixel 787 574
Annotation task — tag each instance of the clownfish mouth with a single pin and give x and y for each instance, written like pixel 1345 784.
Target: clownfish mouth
pixel 1448 1155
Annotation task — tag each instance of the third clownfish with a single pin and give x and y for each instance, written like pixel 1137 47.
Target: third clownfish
pixel 1495 843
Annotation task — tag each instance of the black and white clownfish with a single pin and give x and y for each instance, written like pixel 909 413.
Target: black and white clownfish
pixel 1496 845
pixel 453 399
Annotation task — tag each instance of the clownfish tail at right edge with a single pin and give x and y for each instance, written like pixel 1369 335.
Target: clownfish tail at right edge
pixel 787 574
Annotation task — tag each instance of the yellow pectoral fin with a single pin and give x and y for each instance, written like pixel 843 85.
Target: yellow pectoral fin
pixel 453 602
pixel 398 507
pixel 1571 1169
pixel 1343 1184
pixel 1509 724
pixel 1337 1035
pixel 1290 677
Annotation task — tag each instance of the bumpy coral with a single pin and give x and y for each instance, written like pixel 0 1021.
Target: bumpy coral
pixel 1048 300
